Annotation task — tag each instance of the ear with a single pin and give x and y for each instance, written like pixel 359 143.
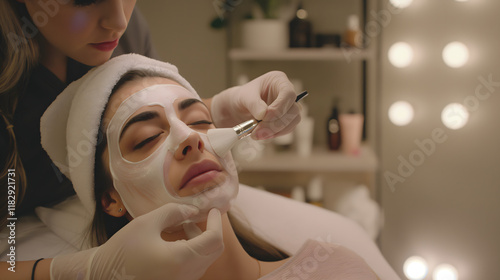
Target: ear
pixel 112 204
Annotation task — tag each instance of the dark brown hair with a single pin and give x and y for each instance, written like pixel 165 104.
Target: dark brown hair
pixel 18 55
pixel 104 226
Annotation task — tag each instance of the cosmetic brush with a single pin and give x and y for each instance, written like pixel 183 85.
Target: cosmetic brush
pixel 223 139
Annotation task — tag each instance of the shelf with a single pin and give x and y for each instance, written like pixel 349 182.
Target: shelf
pixel 321 160
pixel 303 54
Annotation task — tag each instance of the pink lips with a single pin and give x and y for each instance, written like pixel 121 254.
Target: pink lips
pixel 106 46
pixel 200 173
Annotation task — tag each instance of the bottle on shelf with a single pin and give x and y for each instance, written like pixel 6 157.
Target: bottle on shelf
pixel 353 36
pixel 304 133
pixel 315 191
pixel 300 29
pixel 333 128
pixel 284 142
pixel 298 194
pixel 352 132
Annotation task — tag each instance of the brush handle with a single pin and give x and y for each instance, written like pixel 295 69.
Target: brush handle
pixel 297 99
pixel 245 128
pixel 300 96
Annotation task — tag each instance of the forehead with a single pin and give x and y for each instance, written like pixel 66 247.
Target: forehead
pixel 128 89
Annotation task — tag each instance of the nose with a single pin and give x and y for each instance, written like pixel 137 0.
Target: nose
pixel 115 15
pixel 191 146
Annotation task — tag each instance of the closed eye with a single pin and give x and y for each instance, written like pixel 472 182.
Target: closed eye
pixel 84 3
pixel 201 122
pixel 146 141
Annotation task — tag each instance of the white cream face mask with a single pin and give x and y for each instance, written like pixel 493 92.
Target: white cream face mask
pixel 146 184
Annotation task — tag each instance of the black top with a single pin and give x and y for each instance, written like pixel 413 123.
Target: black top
pixel 46 184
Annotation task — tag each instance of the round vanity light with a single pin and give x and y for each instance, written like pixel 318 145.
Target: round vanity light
pixel 401 113
pixel 401 4
pixel 415 268
pixel 455 54
pixel 400 54
pixel 455 116
pixel 445 272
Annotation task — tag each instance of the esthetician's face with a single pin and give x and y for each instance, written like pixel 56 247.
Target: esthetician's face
pixel 84 30
pixel 193 169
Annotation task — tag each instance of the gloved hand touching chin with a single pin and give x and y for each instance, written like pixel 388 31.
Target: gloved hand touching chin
pixel 138 252
pixel 269 98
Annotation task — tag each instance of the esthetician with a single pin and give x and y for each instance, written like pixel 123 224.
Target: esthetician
pixel 47 44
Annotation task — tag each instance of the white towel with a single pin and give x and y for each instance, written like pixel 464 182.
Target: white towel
pixel 69 127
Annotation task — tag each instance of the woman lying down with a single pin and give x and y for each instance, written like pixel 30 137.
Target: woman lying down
pixel 144 137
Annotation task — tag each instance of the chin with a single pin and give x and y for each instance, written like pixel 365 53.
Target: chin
pixel 221 199
pixel 203 215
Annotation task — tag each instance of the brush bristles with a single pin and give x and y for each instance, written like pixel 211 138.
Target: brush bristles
pixel 222 140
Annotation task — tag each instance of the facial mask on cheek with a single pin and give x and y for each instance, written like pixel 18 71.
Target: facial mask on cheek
pixel 146 185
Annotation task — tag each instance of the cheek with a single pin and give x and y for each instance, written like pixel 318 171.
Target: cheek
pixel 79 21
pixel 66 28
pixel 172 172
pixel 76 24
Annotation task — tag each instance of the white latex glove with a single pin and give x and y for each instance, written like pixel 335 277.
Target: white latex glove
pixel 138 252
pixel 269 98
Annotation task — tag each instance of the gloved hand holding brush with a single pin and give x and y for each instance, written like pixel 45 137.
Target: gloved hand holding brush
pixel 269 98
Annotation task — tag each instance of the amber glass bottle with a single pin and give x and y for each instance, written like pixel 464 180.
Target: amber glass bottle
pixel 300 30
pixel 333 128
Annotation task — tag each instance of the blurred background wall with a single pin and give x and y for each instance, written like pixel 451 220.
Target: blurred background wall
pixel 447 210
pixel 182 36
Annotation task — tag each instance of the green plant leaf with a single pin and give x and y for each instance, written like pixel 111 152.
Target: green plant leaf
pixel 269 7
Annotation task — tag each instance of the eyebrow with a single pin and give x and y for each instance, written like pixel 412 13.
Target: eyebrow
pixel 184 104
pixel 148 115
pixel 144 116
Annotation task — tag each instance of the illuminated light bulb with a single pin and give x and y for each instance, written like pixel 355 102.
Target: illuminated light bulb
pixel 455 54
pixel 455 116
pixel 415 268
pixel 445 272
pixel 401 4
pixel 400 54
pixel 401 113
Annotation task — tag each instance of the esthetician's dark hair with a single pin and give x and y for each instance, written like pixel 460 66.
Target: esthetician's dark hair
pixel 104 226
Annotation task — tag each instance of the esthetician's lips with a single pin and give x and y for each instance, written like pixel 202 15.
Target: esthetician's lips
pixel 105 46
pixel 200 173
